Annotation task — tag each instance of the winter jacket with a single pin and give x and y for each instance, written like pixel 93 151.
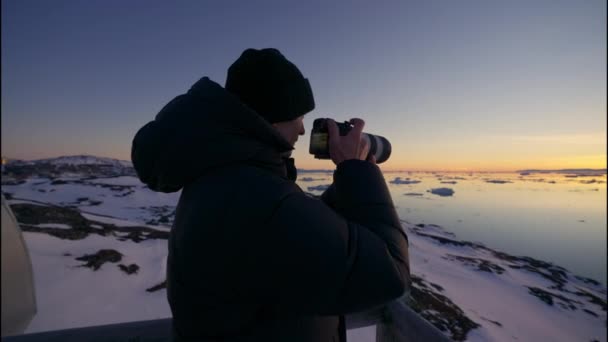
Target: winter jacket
pixel 251 256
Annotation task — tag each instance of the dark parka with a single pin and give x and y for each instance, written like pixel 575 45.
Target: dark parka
pixel 251 256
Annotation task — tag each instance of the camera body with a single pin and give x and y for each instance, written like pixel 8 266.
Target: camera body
pixel 379 146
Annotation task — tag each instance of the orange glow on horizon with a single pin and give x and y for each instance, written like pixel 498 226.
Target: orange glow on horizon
pixel 457 163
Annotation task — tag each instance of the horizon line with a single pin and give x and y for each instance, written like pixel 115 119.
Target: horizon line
pixel 5 159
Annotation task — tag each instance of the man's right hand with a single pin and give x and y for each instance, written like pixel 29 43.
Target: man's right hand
pixel 350 146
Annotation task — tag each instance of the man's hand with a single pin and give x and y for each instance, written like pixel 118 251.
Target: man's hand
pixel 350 146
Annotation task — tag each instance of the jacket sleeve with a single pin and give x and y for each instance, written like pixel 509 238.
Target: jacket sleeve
pixel 329 196
pixel 330 263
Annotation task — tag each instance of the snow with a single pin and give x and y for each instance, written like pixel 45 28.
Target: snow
pixel 122 180
pixel 128 201
pixel 53 225
pixel 105 296
pixel 88 297
pixel 118 222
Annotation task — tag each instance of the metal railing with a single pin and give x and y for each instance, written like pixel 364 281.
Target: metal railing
pixel 395 322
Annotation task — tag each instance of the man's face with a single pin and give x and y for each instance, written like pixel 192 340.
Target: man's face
pixel 290 130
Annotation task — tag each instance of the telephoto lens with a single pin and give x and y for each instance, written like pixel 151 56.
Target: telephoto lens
pixel 379 146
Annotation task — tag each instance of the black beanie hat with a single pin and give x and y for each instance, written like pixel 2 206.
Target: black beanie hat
pixel 268 83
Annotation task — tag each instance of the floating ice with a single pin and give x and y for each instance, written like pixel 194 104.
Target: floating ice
pixel 442 191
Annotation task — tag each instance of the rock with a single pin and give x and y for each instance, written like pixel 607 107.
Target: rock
pixel 133 268
pixel 30 215
pixel 551 298
pixel 157 287
pixel 480 264
pixel 439 310
pixel 36 214
pixel 95 261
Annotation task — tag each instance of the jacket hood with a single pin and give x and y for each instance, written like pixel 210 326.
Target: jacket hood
pixel 205 128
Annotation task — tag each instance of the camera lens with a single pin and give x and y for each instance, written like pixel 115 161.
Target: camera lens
pixel 379 147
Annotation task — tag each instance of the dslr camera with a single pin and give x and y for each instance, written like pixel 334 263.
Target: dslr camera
pixel 379 146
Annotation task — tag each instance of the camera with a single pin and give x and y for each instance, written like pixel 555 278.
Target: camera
pixel 379 146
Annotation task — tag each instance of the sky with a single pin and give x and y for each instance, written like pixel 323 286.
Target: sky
pixel 453 85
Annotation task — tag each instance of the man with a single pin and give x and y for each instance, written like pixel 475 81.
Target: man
pixel 251 256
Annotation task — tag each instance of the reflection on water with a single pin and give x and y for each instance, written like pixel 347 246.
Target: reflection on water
pixel 558 218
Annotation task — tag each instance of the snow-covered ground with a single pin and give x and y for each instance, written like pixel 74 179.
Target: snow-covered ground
pixel 119 197
pixel 499 296
pixel 496 291
pixel 69 296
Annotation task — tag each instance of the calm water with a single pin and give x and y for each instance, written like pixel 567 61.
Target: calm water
pixel 553 217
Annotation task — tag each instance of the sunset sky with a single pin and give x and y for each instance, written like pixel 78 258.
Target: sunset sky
pixel 454 85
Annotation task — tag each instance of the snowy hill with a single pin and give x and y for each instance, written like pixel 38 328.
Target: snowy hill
pixel 99 244
pixel 82 165
pixel 84 160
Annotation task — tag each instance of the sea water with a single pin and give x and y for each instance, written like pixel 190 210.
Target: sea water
pixel 559 218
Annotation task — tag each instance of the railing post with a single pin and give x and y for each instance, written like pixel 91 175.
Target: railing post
pixel 386 329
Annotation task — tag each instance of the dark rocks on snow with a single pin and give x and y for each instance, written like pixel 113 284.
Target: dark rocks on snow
pixel 481 264
pixel 37 214
pixel 30 215
pixel 95 261
pixel 491 321
pixel 551 298
pixel 133 268
pixel 439 310
pixel 157 287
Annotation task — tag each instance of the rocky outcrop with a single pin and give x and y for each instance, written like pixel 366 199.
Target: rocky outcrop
pixel 94 261
pixel 31 215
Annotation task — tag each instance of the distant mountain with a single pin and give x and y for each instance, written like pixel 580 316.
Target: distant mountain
pixel 73 160
pixel 564 170
pixel 82 165
pixel 594 172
